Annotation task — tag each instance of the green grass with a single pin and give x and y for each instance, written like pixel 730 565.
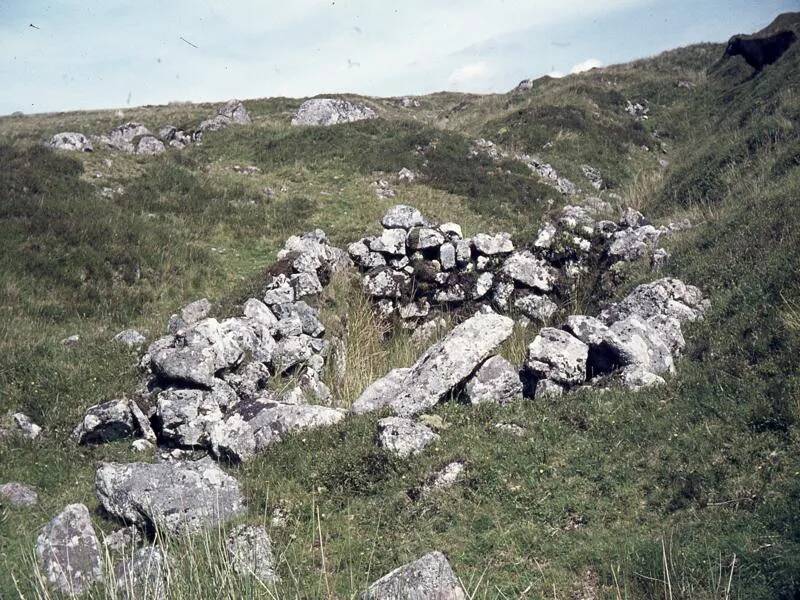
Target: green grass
pixel 687 491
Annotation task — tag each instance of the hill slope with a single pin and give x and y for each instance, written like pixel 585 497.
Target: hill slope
pixel 686 490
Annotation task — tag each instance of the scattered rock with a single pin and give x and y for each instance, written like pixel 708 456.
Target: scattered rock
pixel 130 338
pixel 429 577
pixel 71 341
pixel 143 575
pixel 69 553
pixel 250 553
pixel 451 361
pixel 445 478
pixel 27 428
pixel 18 494
pixel 331 111
pixel 403 437
pixel 76 142
pixel 180 497
pixel 496 380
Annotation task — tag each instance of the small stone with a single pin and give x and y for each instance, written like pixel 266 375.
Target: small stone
pixel 71 341
pixel 558 356
pixel 130 338
pixel 18 494
pixel 404 217
pixel 447 256
pixel 451 230
pixel 538 308
pixel 26 426
pixel 250 553
pixel 143 575
pixel 421 238
pixel 403 437
pixel 490 245
pixel 530 271
pixel 142 446
pixel 428 578
pixel 496 380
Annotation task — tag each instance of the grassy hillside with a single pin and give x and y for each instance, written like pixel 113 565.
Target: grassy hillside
pixel 686 491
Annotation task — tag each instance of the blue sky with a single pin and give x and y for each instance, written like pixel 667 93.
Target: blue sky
pixel 107 54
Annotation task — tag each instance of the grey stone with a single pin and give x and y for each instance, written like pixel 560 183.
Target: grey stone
pixel 536 307
pixel 422 238
pixel 403 216
pixel 384 282
pixel 502 294
pixel 496 380
pixel 143 575
pixel 463 251
pixel 428 578
pixel 634 243
pixel 18 494
pixel 403 437
pixel 249 381
pixel 607 350
pixel 415 310
pixel 196 311
pixel 447 256
pixel 558 356
pixel 149 145
pixel 250 553
pixel 530 271
pixel 331 111
pixel 444 478
pixel 279 293
pixel 130 338
pixel 545 236
pixel 483 284
pixel 123 540
pixel 187 416
pixel 305 284
pixel 546 388
pixel 451 361
pixel 26 427
pixel 292 351
pixel 179 497
pixel 635 378
pixel 669 297
pixel 379 393
pixel 649 350
pixel 258 312
pixel 451 230
pixel 71 341
pixel 123 136
pixel 76 142
pixel 69 552
pixel 235 111
pixel 391 241
pixel 106 422
pixel 490 245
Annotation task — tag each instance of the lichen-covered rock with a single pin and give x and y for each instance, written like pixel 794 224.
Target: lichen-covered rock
pixel 490 245
pixel 143 575
pixel 187 416
pixel 331 111
pixel 536 307
pixel 427 578
pixel 149 145
pixel 106 422
pixel 422 238
pixel 250 553
pixel 444 478
pixel 381 392
pixel 391 241
pixel 670 297
pixel 68 140
pixel 385 283
pixel 69 552
pixel 532 272
pixel 25 426
pixel 496 380
pixel 558 356
pixel 451 361
pixel 196 311
pixel 130 338
pixel 179 497
pixel 18 494
pixel 403 437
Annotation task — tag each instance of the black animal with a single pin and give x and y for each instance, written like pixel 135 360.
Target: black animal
pixel 759 52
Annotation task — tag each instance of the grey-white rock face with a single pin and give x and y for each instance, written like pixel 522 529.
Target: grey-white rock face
pixel 179 497
pixel 670 297
pixel 530 271
pixel 380 393
pixel 391 241
pixel 130 338
pixel 331 111
pixel 536 307
pixel 427 578
pixel 649 350
pixel 558 356
pixel 253 426
pixel 149 145
pixel 490 245
pixel 187 416
pixel 76 142
pixel 384 283
pixel 69 552
pixel 403 216
pixel 106 422
pixel 250 553
pixel 496 380
pixel 403 437
pixel 195 366
pixel 142 575
pixel 421 238
pixel 18 494
pixel 446 364
pixel 25 426
pixel 196 311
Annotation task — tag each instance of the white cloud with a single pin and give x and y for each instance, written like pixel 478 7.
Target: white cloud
pixel 586 65
pixel 470 75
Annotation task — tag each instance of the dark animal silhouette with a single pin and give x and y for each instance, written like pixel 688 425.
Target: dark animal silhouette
pixel 759 52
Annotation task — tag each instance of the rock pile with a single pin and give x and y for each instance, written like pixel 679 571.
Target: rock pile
pixel 331 111
pixel 208 379
pixel 633 341
pixel 415 265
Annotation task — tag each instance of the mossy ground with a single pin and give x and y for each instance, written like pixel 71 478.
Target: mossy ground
pixel 688 491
